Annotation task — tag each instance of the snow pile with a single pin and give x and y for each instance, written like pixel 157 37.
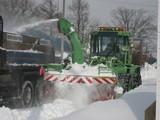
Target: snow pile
pixel 130 106
pixel 149 72
pixel 25 51
pixel 49 111
pixel 85 70
pixel 65 55
pixel 6 114
pixel 118 90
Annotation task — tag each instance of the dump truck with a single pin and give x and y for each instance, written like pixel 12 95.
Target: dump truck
pixel 21 57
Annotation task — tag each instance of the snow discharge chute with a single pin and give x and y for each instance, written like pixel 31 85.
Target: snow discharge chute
pixel 67 29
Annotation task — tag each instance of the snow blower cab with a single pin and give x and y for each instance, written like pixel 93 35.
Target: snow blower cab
pixel 112 47
pixel 109 42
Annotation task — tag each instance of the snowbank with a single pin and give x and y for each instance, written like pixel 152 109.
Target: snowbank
pixel 49 111
pixel 130 106
pixel 149 72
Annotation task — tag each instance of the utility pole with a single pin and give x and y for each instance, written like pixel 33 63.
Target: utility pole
pixel 64 5
pixel 62 40
pixel 158 68
pixel 58 5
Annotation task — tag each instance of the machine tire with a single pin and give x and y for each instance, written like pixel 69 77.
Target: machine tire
pixel 27 95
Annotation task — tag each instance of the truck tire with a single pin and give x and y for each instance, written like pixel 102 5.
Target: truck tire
pixel 27 95
pixel 43 92
pixel 39 91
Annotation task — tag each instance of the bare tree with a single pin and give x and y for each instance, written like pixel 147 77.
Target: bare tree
pixel 79 10
pixel 15 12
pixel 91 27
pixel 136 21
pixel 48 9
pixel 142 28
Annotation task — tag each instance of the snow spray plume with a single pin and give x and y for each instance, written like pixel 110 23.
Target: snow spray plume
pixel 79 94
pixel 24 27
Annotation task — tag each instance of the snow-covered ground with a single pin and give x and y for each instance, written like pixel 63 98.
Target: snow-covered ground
pixel 130 106
pixel 48 111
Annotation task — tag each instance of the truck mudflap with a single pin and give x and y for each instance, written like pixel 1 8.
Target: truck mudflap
pixel 100 88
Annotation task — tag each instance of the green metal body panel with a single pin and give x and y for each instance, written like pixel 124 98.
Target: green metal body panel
pixel 66 28
pixel 54 67
pixel 119 60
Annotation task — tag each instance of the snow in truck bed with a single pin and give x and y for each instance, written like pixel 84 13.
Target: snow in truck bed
pixel 131 106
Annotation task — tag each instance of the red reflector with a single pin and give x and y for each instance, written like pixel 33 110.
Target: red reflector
pixel 42 71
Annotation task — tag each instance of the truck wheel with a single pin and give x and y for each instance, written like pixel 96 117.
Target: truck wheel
pixel 27 95
pixel 39 92
pixel 43 92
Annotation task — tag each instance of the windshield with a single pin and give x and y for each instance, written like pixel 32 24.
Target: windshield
pixel 104 44
pixel 107 44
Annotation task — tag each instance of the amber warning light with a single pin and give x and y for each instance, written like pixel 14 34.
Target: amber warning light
pixel 111 29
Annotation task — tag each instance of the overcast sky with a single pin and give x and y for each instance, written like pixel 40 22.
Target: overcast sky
pixel 101 9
